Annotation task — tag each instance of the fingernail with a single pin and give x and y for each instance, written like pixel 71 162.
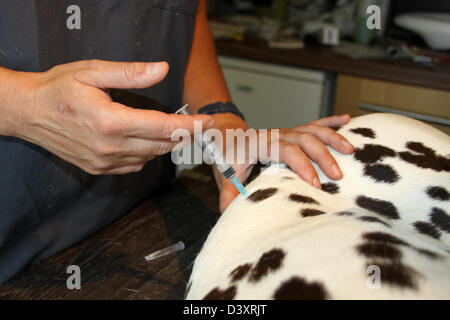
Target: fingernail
pixel 316 183
pixel 154 68
pixel 336 172
pixel 210 124
pixel 346 144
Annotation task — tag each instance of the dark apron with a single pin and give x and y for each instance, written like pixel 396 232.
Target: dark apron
pixel 47 204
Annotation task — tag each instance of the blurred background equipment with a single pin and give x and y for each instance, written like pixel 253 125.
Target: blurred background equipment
pixel 287 62
pixel 434 27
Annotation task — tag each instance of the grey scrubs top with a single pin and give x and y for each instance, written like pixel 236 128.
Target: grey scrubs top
pixel 47 204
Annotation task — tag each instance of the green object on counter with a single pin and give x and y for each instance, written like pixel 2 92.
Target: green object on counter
pixel 364 35
pixel 278 12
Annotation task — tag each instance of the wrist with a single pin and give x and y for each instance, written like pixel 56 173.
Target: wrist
pixel 225 114
pixel 6 85
pixel 16 93
pixel 221 107
pixel 228 121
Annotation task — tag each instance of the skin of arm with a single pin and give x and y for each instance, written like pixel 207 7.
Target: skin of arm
pixel 203 68
pixel 11 82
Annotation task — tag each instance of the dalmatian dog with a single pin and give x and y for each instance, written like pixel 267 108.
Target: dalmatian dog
pixel 382 232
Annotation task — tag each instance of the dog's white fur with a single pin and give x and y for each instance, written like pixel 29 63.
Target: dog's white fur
pixel 322 249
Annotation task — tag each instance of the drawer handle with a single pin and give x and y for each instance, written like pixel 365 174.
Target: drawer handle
pixel 244 88
pixel 418 116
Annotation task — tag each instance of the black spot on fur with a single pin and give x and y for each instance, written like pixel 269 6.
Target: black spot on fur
pixel 384 238
pixel 308 212
pixel 344 213
pixel 301 199
pixel 288 178
pixel 330 187
pixel 297 288
pixel 217 294
pixel 256 171
pixel 429 254
pixel 440 219
pixel 397 274
pixel 438 193
pixel 371 153
pixel 381 173
pixel 379 250
pixel 373 219
pixel 425 157
pixel 269 261
pixel 383 208
pixel 427 229
pixel 365 132
pixel 240 272
pixel 262 194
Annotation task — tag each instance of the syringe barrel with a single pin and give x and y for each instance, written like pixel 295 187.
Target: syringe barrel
pixel 213 154
pixel 227 171
pixel 211 150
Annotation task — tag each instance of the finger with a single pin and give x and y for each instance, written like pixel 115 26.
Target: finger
pixel 122 75
pixel 317 151
pixel 151 124
pixel 148 149
pixel 333 121
pixel 298 161
pixel 328 136
pixel 131 152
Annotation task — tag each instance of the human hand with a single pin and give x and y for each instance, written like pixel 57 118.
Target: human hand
pixel 68 111
pixel 296 147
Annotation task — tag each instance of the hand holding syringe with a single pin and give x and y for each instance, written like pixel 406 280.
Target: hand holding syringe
pixel 211 150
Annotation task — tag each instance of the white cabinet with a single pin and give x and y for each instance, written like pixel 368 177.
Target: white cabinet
pixel 276 96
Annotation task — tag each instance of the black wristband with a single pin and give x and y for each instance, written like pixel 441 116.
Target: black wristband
pixel 221 107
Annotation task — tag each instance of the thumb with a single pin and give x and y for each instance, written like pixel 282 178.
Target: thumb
pixel 122 75
pixel 227 194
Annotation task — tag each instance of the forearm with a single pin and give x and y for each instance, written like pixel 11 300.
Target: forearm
pixel 8 80
pixel 203 82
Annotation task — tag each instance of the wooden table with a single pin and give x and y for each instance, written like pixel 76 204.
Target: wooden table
pixel 112 261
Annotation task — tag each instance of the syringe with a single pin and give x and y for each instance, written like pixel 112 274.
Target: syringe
pixel 211 150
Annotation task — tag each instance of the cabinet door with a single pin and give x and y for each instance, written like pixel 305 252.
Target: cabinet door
pixel 269 100
pixel 358 96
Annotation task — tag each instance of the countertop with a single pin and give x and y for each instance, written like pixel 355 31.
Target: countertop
pixel 321 58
